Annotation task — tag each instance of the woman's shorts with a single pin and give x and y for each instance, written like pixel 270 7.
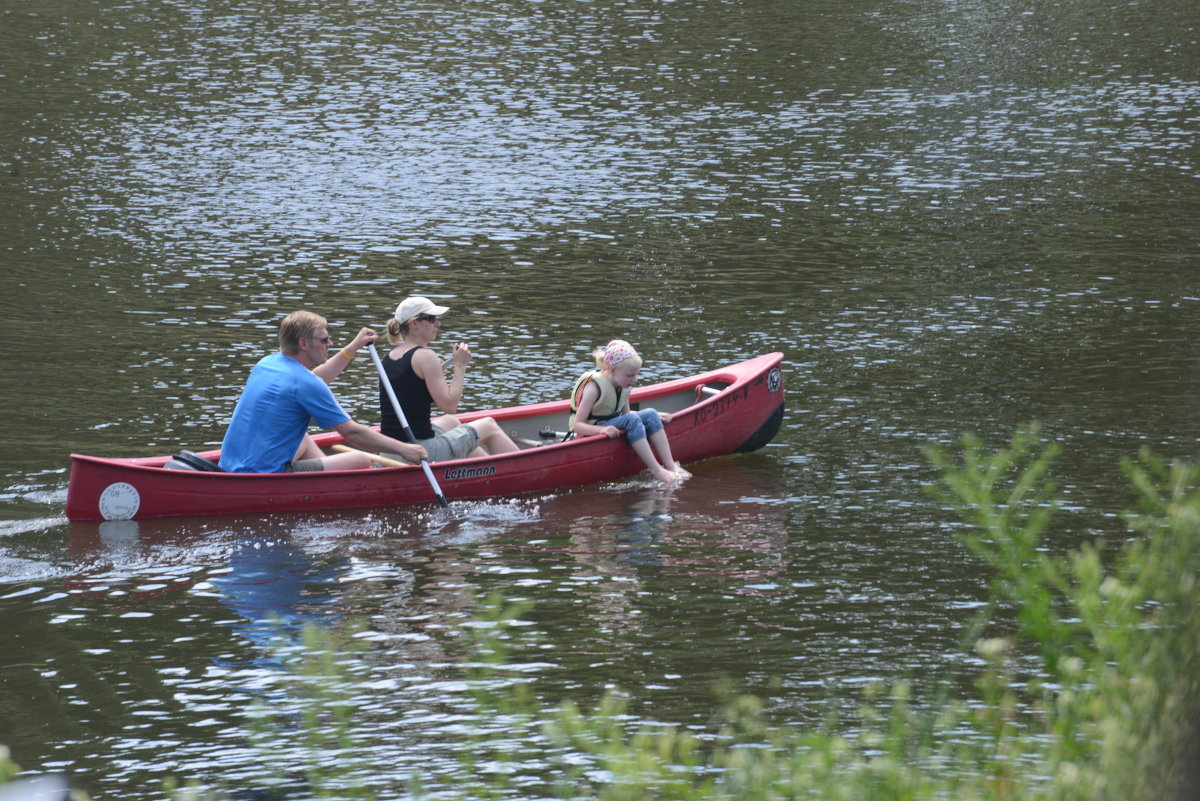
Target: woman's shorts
pixel 457 443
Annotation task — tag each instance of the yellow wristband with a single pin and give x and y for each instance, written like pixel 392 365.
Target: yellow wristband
pixel 349 357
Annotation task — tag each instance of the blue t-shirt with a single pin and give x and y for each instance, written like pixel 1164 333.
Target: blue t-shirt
pixel 272 416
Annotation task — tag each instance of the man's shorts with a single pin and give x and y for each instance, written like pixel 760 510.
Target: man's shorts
pixel 304 466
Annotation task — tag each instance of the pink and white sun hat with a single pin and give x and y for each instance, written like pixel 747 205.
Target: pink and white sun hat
pixel 618 351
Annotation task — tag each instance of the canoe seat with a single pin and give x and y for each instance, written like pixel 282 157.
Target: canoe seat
pixel 546 436
pixel 187 460
pixel 549 435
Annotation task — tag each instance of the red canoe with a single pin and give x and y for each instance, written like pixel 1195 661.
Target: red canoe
pixel 735 409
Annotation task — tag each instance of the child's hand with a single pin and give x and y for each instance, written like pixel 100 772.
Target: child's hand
pixel 664 416
pixel 610 431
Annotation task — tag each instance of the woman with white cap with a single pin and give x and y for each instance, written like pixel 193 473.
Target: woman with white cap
pixel 418 378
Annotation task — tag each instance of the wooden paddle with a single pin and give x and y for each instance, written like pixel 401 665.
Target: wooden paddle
pixel 375 457
pixel 408 434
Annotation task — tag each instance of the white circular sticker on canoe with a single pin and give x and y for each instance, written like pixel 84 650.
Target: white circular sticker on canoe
pixel 774 380
pixel 119 501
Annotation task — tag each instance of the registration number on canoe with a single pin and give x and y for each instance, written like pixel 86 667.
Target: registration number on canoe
pixel 719 406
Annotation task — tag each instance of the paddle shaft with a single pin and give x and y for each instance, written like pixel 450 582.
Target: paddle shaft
pixel 408 434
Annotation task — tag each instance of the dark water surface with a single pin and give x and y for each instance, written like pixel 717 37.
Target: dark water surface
pixel 949 217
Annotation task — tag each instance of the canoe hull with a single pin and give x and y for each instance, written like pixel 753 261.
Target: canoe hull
pixel 744 414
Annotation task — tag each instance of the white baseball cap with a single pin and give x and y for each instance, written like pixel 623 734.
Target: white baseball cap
pixel 411 307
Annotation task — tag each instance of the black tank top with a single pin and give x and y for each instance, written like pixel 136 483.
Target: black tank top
pixel 413 395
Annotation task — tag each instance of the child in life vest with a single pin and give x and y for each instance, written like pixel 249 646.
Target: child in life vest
pixel 600 405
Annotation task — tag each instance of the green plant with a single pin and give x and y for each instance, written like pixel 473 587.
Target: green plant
pixel 8 768
pixel 1117 632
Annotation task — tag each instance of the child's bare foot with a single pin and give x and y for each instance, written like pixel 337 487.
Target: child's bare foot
pixel 663 475
pixel 680 472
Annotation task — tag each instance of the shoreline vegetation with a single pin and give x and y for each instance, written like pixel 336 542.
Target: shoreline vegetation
pixel 1086 669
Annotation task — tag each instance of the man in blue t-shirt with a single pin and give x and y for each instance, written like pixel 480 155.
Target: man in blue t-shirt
pixel 286 390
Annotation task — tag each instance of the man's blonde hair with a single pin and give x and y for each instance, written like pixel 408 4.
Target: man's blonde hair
pixel 296 326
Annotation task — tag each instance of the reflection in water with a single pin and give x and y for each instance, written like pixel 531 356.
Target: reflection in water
pixel 615 546
pixel 729 504
pixel 277 587
pixel 653 564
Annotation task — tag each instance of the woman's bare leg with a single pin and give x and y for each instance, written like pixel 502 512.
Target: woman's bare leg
pixel 447 422
pixel 492 437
